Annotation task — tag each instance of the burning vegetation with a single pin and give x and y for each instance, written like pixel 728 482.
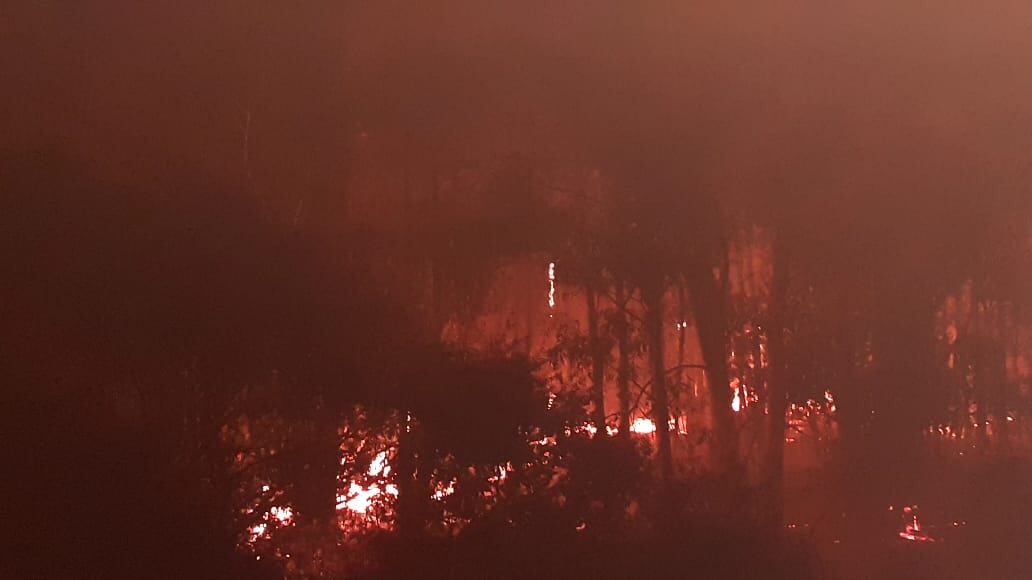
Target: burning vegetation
pixel 670 290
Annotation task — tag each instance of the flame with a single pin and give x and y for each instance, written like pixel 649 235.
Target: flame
pixel 740 399
pixel 257 531
pixel 912 530
pixel 276 516
pixel 643 426
pixel 588 428
pixel 379 465
pixel 444 490
pixel 551 284
pixel 284 515
pixel 358 499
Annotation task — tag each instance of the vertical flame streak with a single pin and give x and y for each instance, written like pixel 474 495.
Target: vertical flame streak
pixel 551 284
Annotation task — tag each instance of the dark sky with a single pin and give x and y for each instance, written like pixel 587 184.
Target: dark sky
pixel 838 97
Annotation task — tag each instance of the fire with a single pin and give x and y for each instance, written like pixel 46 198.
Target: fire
pixel 364 497
pixel 379 465
pixel 643 426
pixel 551 284
pixel 444 490
pixel 358 499
pixel 742 397
pixel 284 515
pixel 912 530
pixel 276 516
pixel 257 531
pixel 587 427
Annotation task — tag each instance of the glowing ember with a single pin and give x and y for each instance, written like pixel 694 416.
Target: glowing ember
pixel 444 490
pixel 276 517
pixel 912 530
pixel 257 531
pixel 643 426
pixel 283 515
pixel 590 428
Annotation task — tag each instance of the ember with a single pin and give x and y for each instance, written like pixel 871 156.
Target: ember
pixel 912 530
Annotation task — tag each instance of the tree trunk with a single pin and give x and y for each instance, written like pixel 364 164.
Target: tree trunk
pixel 623 371
pixel 413 490
pixel 682 331
pixel 711 321
pixel 777 389
pixel 598 363
pixel 652 296
pixel 316 483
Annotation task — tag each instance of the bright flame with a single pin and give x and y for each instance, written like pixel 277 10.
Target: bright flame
pixel 643 426
pixel 284 515
pixel 359 499
pixel 443 490
pixel 379 465
pixel 551 284
pixel 275 517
